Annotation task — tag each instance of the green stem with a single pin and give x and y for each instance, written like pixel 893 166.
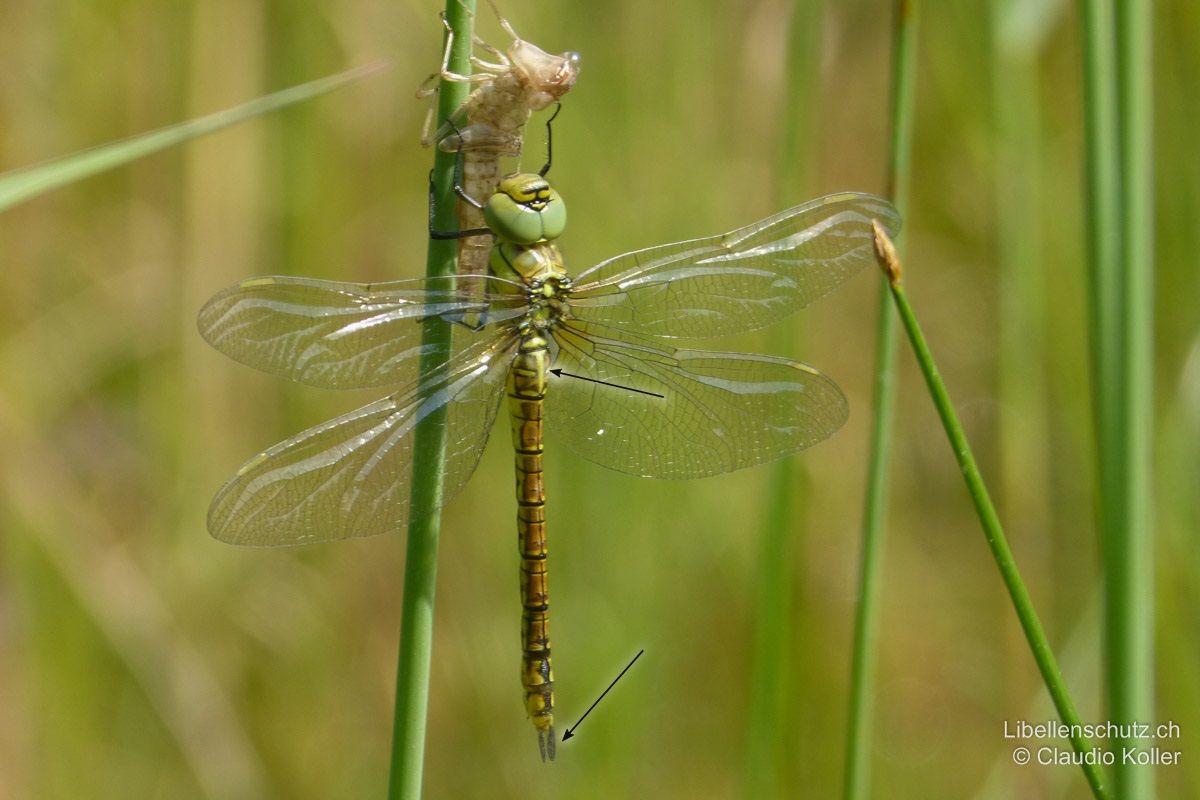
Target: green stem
pixel 1128 520
pixel 988 519
pixel 420 566
pixel 1103 214
pixel 862 666
pixel 1117 98
pixel 766 731
pixel 771 727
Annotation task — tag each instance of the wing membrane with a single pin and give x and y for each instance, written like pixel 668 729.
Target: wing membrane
pixel 719 412
pixel 347 335
pixel 350 476
pixel 738 281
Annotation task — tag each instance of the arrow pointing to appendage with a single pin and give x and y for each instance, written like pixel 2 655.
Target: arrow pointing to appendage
pixel 569 732
pixel 561 374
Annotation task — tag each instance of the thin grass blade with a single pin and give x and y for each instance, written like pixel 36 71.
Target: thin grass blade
pixel 989 520
pixel 22 184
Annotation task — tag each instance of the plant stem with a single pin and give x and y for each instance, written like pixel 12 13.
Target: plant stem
pixel 771 725
pixel 1117 105
pixel 988 519
pixel 1025 460
pixel 420 566
pixel 1128 519
pixel 856 776
pixel 767 722
pixel 1103 211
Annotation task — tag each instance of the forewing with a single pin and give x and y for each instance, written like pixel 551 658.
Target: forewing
pixel 718 412
pixel 348 335
pixel 351 476
pixel 739 281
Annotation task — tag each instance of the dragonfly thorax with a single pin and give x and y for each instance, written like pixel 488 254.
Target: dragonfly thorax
pixel 528 264
pixel 547 300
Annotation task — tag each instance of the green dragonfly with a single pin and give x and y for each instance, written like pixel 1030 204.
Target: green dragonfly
pixel 681 413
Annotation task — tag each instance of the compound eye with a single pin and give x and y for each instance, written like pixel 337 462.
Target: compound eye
pixel 554 216
pixel 511 220
pixel 525 210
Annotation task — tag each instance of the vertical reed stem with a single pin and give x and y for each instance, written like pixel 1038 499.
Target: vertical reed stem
pixel 856 775
pixel 420 566
pixel 1128 518
pixel 1118 106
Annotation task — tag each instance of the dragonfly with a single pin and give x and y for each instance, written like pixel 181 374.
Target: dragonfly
pixel 489 124
pixel 649 408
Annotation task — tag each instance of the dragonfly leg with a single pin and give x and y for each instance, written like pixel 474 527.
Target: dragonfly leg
pixel 500 64
pixel 505 25
pixel 482 321
pixel 459 161
pixel 490 68
pixel 458 190
pixel 550 141
pixel 429 85
pixel 440 235
pixel 434 233
pixel 427 126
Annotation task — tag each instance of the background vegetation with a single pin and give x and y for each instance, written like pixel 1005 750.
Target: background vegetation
pixel 140 658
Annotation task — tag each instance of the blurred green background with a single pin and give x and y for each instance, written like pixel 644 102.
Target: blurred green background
pixel 141 658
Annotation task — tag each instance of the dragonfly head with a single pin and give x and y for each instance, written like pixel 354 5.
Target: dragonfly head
pixel 525 210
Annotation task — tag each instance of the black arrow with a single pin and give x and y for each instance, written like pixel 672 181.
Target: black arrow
pixel 562 374
pixel 567 734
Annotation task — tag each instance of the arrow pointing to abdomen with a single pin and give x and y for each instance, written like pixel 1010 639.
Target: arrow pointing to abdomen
pixel 561 374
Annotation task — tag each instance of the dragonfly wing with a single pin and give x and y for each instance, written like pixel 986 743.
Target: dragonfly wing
pixel 738 281
pixel 351 476
pixel 718 412
pixel 347 335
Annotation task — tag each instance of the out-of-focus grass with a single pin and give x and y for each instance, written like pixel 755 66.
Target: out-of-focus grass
pixel 772 709
pixel 140 658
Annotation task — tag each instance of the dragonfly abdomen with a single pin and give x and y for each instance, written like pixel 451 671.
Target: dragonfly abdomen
pixel 526 391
